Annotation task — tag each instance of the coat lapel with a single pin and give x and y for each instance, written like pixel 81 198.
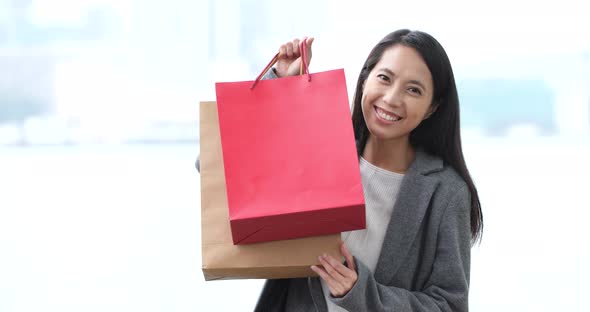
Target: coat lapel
pixel 413 200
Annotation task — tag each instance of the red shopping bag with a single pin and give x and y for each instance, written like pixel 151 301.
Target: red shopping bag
pixel 290 159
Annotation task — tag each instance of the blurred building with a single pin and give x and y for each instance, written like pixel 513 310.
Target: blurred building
pixel 134 70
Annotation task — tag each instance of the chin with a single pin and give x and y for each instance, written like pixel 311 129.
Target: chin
pixel 385 136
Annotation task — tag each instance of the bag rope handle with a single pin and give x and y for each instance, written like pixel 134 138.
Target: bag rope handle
pixel 303 68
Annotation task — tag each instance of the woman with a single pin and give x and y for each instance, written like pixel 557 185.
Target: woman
pixel 423 211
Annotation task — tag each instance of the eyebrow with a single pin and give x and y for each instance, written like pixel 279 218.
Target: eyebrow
pixel 387 70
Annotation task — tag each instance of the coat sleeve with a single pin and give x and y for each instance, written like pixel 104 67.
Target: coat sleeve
pixel 448 286
pixel 271 74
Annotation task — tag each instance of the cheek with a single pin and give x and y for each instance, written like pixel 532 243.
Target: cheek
pixel 367 99
pixel 367 108
pixel 419 114
pixel 364 103
pixel 420 110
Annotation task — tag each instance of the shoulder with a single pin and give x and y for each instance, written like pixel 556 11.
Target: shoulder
pixel 453 194
pixel 450 180
pixel 451 188
pixel 434 167
pixel 451 204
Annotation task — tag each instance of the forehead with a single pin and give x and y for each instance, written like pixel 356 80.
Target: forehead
pixel 406 63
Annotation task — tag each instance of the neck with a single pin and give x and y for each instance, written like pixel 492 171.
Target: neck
pixel 392 155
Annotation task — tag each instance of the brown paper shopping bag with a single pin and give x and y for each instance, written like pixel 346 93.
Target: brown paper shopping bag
pixel 221 258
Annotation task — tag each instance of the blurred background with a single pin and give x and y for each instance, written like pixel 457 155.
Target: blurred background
pixel 99 198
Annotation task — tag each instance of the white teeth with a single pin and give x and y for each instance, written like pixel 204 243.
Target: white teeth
pixel 386 116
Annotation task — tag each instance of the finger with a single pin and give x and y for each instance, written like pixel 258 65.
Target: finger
pixel 308 42
pixel 289 50
pixel 340 268
pixel 348 256
pixel 335 288
pixel 329 266
pixel 283 51
pixel 325 276
pixel 295 47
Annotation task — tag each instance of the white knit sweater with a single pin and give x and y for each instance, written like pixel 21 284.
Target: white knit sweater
pixel 381 188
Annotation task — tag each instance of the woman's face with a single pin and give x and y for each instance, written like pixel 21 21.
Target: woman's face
pixel 397 94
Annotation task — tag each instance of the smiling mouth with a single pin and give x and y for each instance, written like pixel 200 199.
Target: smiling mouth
pixel 387 116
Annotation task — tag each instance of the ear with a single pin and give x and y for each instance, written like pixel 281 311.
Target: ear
pixel 431 110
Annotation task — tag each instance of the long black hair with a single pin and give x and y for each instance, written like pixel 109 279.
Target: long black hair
pixel 440 133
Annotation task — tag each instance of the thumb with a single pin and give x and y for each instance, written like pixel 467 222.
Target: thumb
pixel 348 256
pixel 308 42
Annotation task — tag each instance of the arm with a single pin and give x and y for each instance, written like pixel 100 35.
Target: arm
pixel 447 289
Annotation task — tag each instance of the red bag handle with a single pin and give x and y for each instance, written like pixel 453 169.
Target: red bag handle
pixel 303 68
pixel 304 64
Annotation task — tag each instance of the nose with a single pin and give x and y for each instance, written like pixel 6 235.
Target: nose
pixel 393 96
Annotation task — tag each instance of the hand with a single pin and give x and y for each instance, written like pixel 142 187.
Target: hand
pixel 340 278
pixel 290 59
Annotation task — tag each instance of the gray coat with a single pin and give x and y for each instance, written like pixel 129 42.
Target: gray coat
pixel 425 259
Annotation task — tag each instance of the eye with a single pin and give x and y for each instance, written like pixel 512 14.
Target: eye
pixel 383 77
pixel 415 90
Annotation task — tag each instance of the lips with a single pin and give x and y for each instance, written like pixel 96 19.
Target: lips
pixel 386 115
